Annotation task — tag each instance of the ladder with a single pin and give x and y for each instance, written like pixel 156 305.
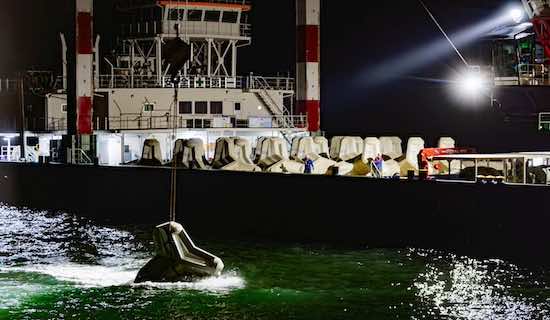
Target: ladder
pixel 281 113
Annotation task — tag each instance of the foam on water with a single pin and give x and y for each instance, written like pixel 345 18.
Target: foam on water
pixel 224 284
pixel 84 275
pixel 102 276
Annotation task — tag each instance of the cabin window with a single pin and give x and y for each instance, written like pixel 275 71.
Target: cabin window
pixel 237 106
pixel 201 107
pixel 148 107
pixel 230 17
pixel 212 16
pixel 216 107
pixel 194 15
pixel 63 108
pixel 185 107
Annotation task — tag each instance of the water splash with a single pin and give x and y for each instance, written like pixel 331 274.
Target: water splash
pixel 87 276
pixel 221 285
pixel 83 275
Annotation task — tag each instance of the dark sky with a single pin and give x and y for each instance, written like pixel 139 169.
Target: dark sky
pixel 356 37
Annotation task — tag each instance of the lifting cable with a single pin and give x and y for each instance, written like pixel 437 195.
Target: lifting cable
pixel 173 182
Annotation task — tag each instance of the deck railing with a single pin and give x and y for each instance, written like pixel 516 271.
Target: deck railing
pixel 141 122
pixel 526 75
pixel 8 86
pixel 544 121
pixel 214 82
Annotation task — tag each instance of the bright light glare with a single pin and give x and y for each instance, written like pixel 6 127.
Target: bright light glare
pixel 516 14
pixel 471 85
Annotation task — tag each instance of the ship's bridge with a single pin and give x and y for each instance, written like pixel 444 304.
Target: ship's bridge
pixel 220 19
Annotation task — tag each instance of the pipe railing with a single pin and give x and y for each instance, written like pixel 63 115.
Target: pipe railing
pixel 114 81
pixel 141 122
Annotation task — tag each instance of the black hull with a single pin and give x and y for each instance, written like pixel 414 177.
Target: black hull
pixel 494 221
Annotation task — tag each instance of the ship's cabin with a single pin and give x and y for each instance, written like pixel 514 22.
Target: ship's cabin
pixel 517 58
pixel 226 18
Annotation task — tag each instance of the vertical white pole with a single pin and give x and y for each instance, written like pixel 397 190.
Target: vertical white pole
pixel 159 61
pixel 234 58
pixel 9 149
pixel 64 59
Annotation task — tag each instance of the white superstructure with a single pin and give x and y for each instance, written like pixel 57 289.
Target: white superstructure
pixel 134 92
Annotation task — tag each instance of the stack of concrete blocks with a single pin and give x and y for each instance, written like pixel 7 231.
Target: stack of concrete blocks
pixel 346 151
pixel 151 154
pixel 273 156
pixel 189 154
pixel 308 147
pixel 233 154
pixel 410 163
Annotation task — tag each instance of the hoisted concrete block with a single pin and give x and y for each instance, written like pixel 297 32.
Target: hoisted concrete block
pixel 189 154
pixel 151 154
pixel 391 147
pixel 233 154
pixel 346 148
pixel 410 163
pixel 177 258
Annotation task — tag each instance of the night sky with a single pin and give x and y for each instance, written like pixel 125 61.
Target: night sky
pixel 356 38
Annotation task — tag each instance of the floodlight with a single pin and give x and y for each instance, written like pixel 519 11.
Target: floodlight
pixel 516 14
pixel 471 84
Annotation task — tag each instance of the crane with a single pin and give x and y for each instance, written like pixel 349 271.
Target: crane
pixel 539 13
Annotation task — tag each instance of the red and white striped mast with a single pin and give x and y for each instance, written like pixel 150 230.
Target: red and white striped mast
pixel 84 66
pixel 308 84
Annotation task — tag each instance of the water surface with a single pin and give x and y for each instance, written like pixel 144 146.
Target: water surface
pixel 57 266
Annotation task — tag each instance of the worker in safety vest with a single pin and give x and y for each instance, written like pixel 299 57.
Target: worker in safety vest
pixel 379 163
pixel 308 166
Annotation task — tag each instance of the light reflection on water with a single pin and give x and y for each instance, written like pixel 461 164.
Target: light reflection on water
pixel 57 265
pixel 463 288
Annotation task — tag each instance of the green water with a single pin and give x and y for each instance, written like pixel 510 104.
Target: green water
pixel 55 266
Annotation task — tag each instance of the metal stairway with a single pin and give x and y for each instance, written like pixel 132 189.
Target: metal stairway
pixel 280 112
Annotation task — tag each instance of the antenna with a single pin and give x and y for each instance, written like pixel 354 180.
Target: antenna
pixel 444 33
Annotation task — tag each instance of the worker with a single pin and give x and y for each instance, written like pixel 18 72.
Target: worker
pixel 308 165
pixel 379 163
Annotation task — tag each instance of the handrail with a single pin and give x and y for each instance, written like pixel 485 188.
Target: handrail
pixel 544 121
pixel 141 122
pixel 80 157
pixel 264 86
pixel 119 81
pixel 8 85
